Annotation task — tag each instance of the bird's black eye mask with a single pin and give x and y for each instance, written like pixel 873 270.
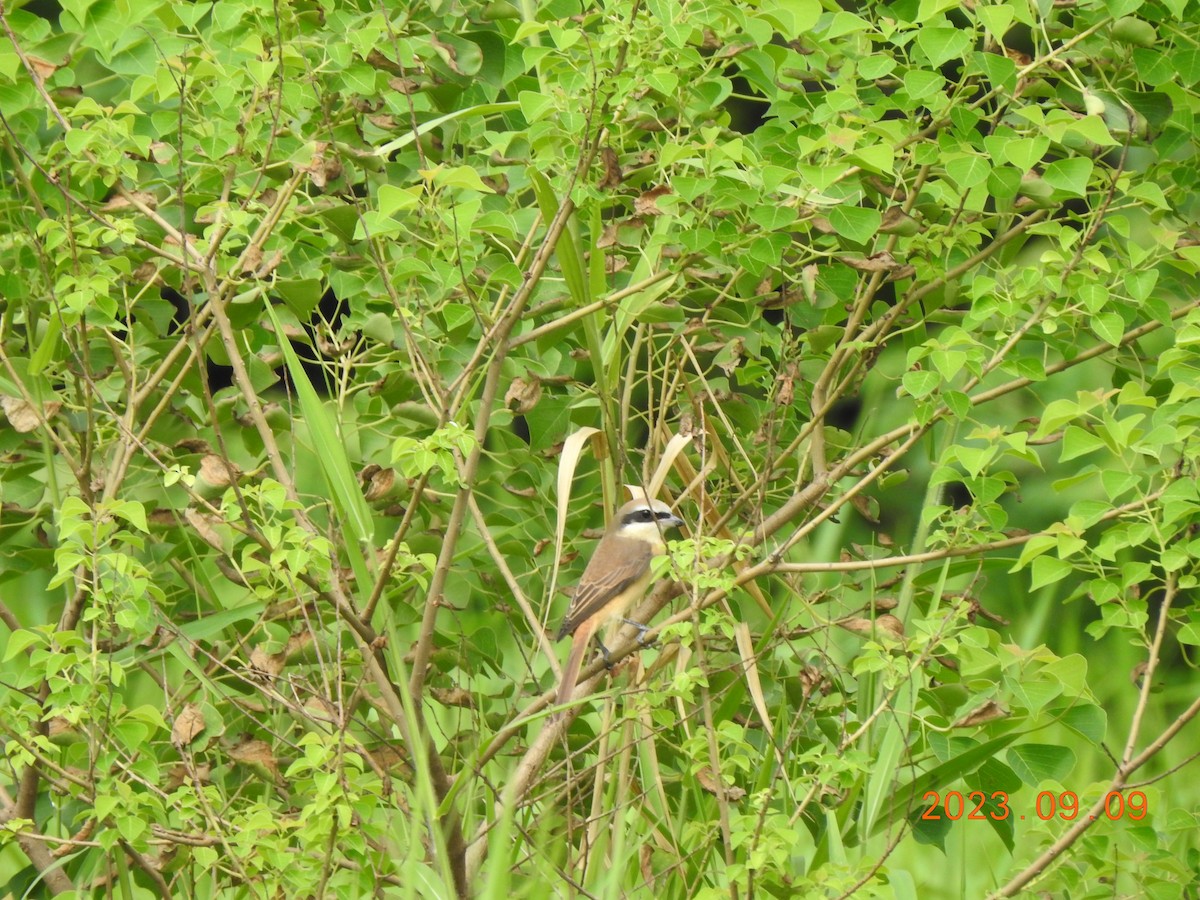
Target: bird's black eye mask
pixel 646 515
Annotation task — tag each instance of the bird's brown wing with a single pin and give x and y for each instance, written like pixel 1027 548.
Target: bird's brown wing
pixel 602 581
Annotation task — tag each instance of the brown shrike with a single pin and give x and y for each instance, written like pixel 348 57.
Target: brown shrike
pixel 616 577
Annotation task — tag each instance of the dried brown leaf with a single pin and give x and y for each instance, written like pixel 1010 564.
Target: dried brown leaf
pixel 523 393
pixel 206 527
pixel 453 697
pixel 709 783
pixel 118 202
pixel 23 416
pixel 613 176
pixel 252 752
pixel 987 712
pixel 188 724
pixel 647 202
pixel 377 481
pixel 264 663
pixel 217 473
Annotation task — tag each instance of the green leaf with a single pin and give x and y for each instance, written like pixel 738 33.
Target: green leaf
pixel 1087 720
pixel 392 199
pixel 906 798
pixel 921 383
pixel 1079 442
pixel 968 171
pixel 353 513
pixel 1035 763
pixel 855 223
pixel 534 106
pixel 793 18
pixel 1025 153
pixel 458 176
pixel 942 43
pixel 1110 327
pixel 21 640
pixel 132 512
pixel 1069 175
pixel 483 109
pixel 1047 570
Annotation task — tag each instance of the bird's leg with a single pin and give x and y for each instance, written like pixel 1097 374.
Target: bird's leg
pixel 641 629
pixel 604 652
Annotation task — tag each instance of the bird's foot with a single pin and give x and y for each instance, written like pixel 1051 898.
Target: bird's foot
pixel 604 653
pixel 641 629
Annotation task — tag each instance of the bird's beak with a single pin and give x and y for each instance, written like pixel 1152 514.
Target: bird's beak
pixel 673 522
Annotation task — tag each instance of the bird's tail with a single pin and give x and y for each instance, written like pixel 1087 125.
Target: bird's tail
pixel 579 645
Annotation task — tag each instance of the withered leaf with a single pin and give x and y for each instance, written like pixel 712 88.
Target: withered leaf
pixel 709 782
pixel 378 482
pixel 206 526
pixel 264 663
pixel 523 394
pixel 613 176
pixel 24 416
pixel 647 202
pixel 188 724
pixel 453 697
pixel 986 712
pixel 253 752
pixel 127 200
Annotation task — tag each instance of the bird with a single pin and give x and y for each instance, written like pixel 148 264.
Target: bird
pixel 615 578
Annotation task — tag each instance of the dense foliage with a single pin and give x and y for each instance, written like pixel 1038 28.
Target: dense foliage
pixel 332 329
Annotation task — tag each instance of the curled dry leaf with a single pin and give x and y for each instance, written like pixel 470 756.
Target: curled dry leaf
pixel 897 221
pixel 891 191
pixel 206 527
pixel 129 200
pixel 876 262
pixel 24 416
pixel 977 609
pixel 63 732
pixel 645 863
pixel 709 783
pixel 188 724
pixel 453 697
pixel 1136 674
pixel 264 663
pixel 647 202
pixel 405 86
pixel 321 710
pixel 377 482
pixel 180 774
pixel 523 394
pixel 43 68
pixel 252 752
pixel 813 680
pixel 868 507
pixel 890 624
pixel 613 176
pixel 872 628
pixel 217 473
pixel 609 237
pixel 987 712
pixel 448 54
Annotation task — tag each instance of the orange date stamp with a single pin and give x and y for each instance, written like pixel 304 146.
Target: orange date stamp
pixel 981 806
